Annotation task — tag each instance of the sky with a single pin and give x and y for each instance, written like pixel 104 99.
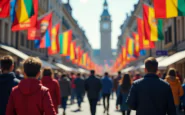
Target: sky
pixel 87 13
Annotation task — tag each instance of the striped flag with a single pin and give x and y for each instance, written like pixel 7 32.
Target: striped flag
pixel 153 27
pixel 4 8
pixel 23 14
pixel 169 8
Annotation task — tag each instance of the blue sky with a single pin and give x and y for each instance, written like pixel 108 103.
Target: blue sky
pixel 87 13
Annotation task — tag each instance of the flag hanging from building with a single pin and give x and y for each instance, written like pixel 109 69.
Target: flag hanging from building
pixel 143 43
pixel 41 34
pixel 72 50
pixel 4 8
pixel 136 44
pixel 130 46
pixel 65 40
pixel 23 14
pixel 169 8
pixel 85 59
pixel 55 48
pixel 152 27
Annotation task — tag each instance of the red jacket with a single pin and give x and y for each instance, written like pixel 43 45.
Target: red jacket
pixel 73 77
pixel 54 90
pixel 30 98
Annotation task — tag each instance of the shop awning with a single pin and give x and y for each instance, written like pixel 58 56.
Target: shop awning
pixel 171 60
pixel 14 51
pixel 83 70
pixel 128 69
pixel 64 67
pixel 23 55
pixel 159 59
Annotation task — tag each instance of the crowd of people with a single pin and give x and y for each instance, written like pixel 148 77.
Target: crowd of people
pixel 34 90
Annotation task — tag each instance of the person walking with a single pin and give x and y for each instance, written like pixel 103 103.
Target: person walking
pixel 65 90
pixel 176 87
pixel 151 95
pixel 30 97
pixel 183 97
pixel 93 86
pixel 80 89
pixel 125 85
pixel 7 81
pixel 73 93
pixel 107 86
pixel 116 84
pixel 53 86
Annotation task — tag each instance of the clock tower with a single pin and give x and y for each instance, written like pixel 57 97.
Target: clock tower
pixel 105 30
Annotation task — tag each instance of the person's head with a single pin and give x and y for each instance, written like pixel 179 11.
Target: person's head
pixel 18 71
pixel 119 73
pixel 92 72
pixel 125 83
pixel 32 67
pixel 151 65
pixel 137 74
pixel 172 72
pixel 106 74
pixel 78 75
pixel 72 73
pixel 7 63
pixel 47 71
pixel 64 75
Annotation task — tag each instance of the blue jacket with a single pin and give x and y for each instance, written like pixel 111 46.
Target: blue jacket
pixel 80 86
pixel 183 97
pixel 107 85
pixel 151 96
pixel 7 82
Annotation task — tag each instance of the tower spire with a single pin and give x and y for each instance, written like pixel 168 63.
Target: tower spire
pixel 105 4
pixel 105 9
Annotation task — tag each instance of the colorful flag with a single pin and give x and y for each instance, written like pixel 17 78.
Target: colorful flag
pixel 24 14
pixel 130 46
pixel 143 43
pixel 42 38
pixel 169 8
pixel 85 59
pixel 124 54
pixel 65 40
pixel 55 48
pixel 136 44
pixel 4 8
pixel 72 50
pixel 152 27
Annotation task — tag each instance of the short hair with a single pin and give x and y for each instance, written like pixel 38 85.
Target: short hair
pixel 78 74
pixel 64 75
pixel 151 64
pixel 6 62
pixel 172 72
pixel 72 73
pixel 119 72
pixel 106 74
pixel 47 71
pixel 92 72
pixel 32 66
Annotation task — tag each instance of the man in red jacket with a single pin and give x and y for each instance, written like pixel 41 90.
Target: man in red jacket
pixel 30 97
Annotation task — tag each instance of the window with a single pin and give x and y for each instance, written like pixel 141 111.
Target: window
pixel 183 28
pixel 22 39
pixel 12 38
pixel 170 34
pixel 0 30
pixel 178 30
pixel 6 33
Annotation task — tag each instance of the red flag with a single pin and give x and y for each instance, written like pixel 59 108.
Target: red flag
pixel 4 8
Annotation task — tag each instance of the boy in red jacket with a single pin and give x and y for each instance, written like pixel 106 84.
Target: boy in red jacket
pixel 30 97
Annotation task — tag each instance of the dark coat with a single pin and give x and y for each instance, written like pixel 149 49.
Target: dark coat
pixel 54 90
pixel 30 97
pixel 93 86
pixel 7 82
pixel 151 96
pixel 80 86
pixel 65 87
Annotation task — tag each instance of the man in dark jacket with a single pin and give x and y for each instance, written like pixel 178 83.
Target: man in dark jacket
pixel 93 87
pixel 80 89
pixel 151 95
pixel 7 81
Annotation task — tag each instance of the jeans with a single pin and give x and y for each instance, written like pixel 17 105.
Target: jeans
pixel 64 102
pixel 73 94
pixel 79 99
pixel 93 103
pixel 106 97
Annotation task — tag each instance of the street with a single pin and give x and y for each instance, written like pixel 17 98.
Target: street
pixel 86 111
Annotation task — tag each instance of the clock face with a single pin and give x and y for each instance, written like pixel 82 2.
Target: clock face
pixel 105 25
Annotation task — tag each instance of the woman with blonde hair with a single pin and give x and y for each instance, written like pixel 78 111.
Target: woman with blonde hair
pixel 53 86
pixel 176 87
pixel 124 87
